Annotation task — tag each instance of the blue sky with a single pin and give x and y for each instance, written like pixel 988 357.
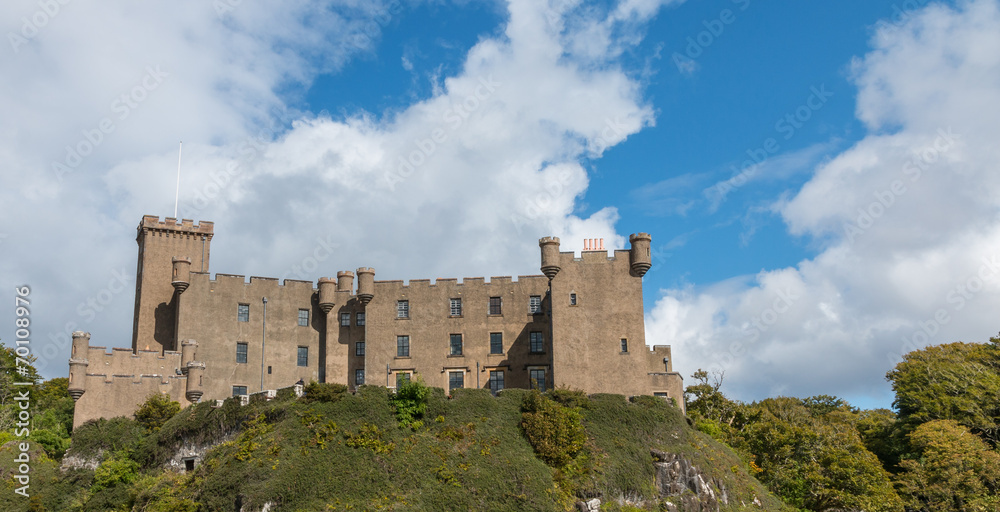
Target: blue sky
pixel 818 179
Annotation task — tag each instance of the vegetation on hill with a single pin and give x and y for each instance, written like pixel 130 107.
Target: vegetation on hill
pixel 417 449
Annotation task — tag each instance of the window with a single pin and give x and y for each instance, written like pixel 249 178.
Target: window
pixel 269 369
pixel 495 306
pixel 303 317
pixel 359 377
pixel 402 378
pixel 402 346
pixel 624 345
pixel 456 344
pixel 189 464
pixel 402 309
pixel 243 312
pixel 345 319
pixel 456 380
pixel 537 345
pixel 537 376
pixel 535 304
pixel 360 319
pixel 572 299
pixel 496 343
pixel 496 381
pixel 303 356
pixel 239 390
pixel 241 352
pixel 456 307
pixel 359 348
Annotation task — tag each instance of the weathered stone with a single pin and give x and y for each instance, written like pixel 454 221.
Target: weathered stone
pixel 677 478
pixel 593 505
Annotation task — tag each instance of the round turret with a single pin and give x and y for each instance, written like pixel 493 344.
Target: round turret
pixel 78 364
pixel 189 353
pixel 327 293
pixel 345 281
pixel 181 276
pixel 195 370
pixel 639 255
pixel 550 256
pixel 366 284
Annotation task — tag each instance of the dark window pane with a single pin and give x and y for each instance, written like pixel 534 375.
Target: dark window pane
pixel 496 343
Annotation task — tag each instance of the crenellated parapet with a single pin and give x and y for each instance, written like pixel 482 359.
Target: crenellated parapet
pixel 172 226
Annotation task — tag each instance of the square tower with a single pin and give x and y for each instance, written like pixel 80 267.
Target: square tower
pixel 160 242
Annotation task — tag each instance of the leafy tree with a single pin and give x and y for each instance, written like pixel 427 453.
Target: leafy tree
pixel 410 402
pixel 882 436
pixel 951 470
pixel 155 411
pixel 955 381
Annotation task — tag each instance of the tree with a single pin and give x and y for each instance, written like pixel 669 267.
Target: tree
pixel 155 411
pixel 950 470
pixel 955 381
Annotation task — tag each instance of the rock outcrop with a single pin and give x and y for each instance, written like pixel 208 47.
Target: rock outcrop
pixel 684 487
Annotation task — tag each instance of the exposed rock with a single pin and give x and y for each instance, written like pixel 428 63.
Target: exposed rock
pixel 71 461
pixel 593 505
pixel 677 478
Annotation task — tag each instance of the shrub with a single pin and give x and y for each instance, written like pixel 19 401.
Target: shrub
pixel 155 411
pixel 410 402
pixel 555 431
pixel 323 392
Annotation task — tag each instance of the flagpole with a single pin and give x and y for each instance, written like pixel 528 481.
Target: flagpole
pixel 177 192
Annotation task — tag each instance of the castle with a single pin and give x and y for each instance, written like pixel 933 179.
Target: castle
pixel 580 325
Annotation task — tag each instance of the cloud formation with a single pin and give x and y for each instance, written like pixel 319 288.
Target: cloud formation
pixel 906 221
pixel 458 184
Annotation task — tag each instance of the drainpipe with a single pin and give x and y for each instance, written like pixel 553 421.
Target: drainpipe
pixel 263 339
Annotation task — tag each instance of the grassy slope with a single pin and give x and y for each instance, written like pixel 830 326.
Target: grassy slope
pixel 470 454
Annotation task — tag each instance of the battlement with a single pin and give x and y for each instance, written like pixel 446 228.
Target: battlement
pixel 232 279
pixel 453 281
pixel 170 224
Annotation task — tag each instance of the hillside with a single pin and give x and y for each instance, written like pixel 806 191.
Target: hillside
pixel 332 450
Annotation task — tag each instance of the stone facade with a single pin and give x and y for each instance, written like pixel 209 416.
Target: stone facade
pixel 580 325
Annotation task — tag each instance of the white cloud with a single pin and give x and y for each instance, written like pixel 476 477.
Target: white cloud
pixel 907 219
pixel 458 184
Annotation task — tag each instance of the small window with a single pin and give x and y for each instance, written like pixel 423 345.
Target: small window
pixel 624 345
pixel 402 379
pixel 345 319
pixel 496 343
pixel 239 390
pixel 241 352
pixel 402 309
pixel 359 348
pixel 456 307
pixel 303 356
pixel 537 376
pixel 359 377
pixel 402 346
pixel 189 464
pixel 360 319
pixel 495 306
pixel 303 318
pixel 537 345
pixel 269 369
pixel 535 304
pixel 243 312
pixel 496 381
pixel 456 380
pixel 572 299
pixel 456 344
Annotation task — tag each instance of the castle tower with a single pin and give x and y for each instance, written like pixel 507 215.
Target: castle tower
pixel 639 254
pixel 550 256
pixel 194 389
pixel 366 284
pixel 163 247
pixel 189 353
pixel 345 281
pixel 78 365
pixel 327 293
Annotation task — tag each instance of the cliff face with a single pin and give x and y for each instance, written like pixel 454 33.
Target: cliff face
pixel 469 452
